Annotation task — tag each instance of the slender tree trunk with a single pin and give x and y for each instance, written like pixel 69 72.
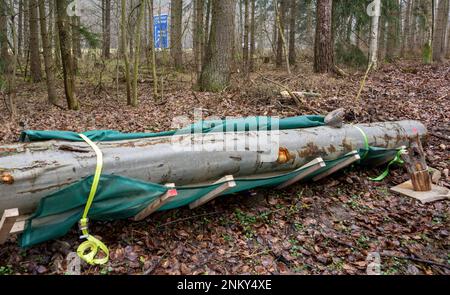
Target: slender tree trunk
pixel 198 31
pixel 76 46
pixel 245 49
pixel 216 71
pixel 309 22
pixel 4 54
pixel 323 47
pixel 176 32
pixel 284 48
pixel 20 29
pixel 66 55
pixel 393 37
pixel 428 31
pixel 292 32
pixel 151 50
pixel 440 31
pixel 373 50
pixel 35 60
pixel 205 39
pixel 47 53
pixel 252 36
pixel 106 48
pixel 382 39
pixel 280 20
pixel 137 53
pixel 407 28
pixel 123 27
pixel 26 30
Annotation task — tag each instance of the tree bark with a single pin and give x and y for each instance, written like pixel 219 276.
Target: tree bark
pixel 198 37
pixel 407 28
pixel 106 48
pixel 47 53
pixel 66 55
pixel 280 21
pixel 151 50
pixel 373 50
pixel 216 71
pixel 440 31
pixel 252 35
pixel 156 160
pixel 35 60
pixel 20 29
pixel 323 47
pixel 137 53
pixel 176 32
pixel 245 49
pixel 124 41
pixel 292 32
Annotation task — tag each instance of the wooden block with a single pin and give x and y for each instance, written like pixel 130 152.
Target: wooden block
pixel 437 193
pixel 228 182
pixel 158 203
pixel 307 169
pixel 347 162
pixel 6 223
pixel 18 227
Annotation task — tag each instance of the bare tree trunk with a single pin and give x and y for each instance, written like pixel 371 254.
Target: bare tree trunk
pixel 309 23
pixel 252 36
pixel 35 60
pixel 245 49
pixel 440 31
pixel 283 42
pixel 373 50
pixel 198 37
pixel 323 47
pixel 407 28
pixel 206 29
pixel 66 55
pixel 393 37
pixel 176 32
pixel 76 47
pixel 216 71
pixel 151 50
pixel 26 31
pixel 280 21
pixel 292 33
pixel 20 29
pixel 47 53
pixel 106 12
pixel 137 53
pixel 124 41
pixel 427 6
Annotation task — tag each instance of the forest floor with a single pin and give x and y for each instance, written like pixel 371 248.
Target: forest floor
pixel 328 227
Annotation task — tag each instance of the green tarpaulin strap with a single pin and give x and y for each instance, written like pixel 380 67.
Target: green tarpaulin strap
pixel 396 160
pixel 89 249
pixel 366 142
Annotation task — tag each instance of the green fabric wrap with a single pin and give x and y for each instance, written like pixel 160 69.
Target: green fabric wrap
pixel 121 198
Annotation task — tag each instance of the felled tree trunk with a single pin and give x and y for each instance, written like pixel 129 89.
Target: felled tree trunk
pixel 31 171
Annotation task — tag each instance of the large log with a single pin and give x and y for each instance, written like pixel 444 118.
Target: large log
pixel 31 171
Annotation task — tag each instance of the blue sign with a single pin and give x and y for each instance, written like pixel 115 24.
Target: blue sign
pixel 161 31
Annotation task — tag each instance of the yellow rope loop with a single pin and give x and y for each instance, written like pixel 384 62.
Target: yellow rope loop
pixel 89 249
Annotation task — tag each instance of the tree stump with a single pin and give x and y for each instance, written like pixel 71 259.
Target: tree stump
pixel 417 167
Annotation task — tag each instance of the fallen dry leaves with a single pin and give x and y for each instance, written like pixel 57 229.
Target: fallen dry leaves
pixel 328 227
